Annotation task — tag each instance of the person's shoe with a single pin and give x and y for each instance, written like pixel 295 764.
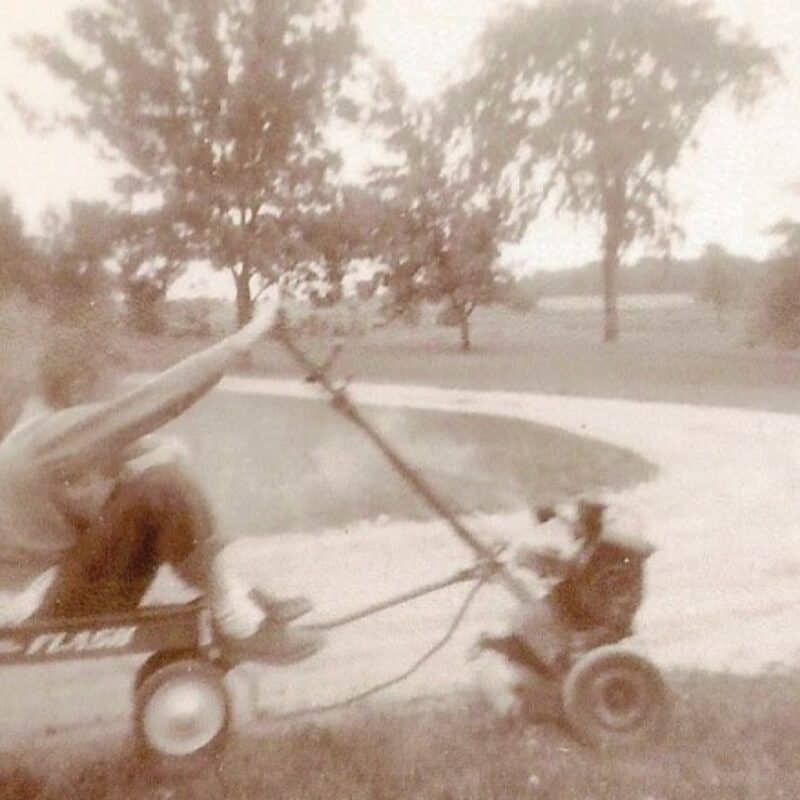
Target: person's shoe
pixel 284 610
pixel 273 643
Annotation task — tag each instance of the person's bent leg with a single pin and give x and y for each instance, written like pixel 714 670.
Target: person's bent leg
pixel 251 622
pixel 163 517
pixel 114 562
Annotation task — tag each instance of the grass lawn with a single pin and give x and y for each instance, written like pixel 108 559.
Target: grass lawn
pixel 669 355
pixel 730 739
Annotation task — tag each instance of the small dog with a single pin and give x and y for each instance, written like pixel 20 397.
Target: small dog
pixel 591 585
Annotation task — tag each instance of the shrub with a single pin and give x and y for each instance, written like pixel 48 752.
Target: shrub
pixel 198 317
pixel 779 320
pixel 521 295
pixel 448 317
pixel 145 305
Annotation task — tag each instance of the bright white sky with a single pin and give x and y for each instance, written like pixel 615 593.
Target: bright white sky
pixel 730 190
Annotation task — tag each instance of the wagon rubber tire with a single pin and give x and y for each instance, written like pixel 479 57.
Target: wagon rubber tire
pixel 613 699
pixel 182 714
pixel 158 661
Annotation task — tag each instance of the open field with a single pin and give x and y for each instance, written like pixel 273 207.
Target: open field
pixel 722 599
pixel 626 302
pixel 675 355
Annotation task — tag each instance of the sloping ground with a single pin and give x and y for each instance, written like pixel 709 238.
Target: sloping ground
pixel 723 589
pixel 276 465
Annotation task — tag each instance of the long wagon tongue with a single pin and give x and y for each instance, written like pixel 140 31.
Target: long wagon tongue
pixel 340 400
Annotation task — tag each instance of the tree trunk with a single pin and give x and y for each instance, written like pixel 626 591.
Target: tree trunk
pixel 244 308
pixel 463 326
pixel 610 268
pixel 244 296
pixel 612 243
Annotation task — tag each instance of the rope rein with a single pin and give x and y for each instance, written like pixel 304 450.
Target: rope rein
pixel 488 568
pixel 406 674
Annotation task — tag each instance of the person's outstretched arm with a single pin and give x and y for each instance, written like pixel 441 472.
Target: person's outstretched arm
pixel 75 438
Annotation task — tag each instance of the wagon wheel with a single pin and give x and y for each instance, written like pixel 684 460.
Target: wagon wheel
pixel 182 715
pixel 615 699
pixel 158 661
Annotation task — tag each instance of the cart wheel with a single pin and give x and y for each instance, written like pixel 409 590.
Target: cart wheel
pixel 614 699
pixel 158 661
pixel 182 714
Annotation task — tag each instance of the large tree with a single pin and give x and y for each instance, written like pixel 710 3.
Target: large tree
pixel 592 103
pixel 216 110
pixel 331 236
pixel 441 227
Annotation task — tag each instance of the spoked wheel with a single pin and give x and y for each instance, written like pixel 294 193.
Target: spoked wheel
pixel 182 714
pixel 615 699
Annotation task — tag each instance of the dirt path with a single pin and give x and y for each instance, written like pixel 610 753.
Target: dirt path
pixel 724 587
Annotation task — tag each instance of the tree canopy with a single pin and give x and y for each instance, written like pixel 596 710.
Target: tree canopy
pixel 591 103
pixel 440 230
pixel 216 112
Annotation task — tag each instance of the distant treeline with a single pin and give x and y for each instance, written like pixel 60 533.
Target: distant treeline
pixel 649 276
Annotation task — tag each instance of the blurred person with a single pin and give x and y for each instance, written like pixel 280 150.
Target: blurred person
pixel 93 502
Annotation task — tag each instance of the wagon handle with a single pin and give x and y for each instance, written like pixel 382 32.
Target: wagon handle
pixel 340 400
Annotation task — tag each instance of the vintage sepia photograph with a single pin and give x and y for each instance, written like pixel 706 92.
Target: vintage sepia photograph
pixel 399 399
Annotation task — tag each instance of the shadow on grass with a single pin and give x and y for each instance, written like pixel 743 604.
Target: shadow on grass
pixel 731 738
pixel 298 466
